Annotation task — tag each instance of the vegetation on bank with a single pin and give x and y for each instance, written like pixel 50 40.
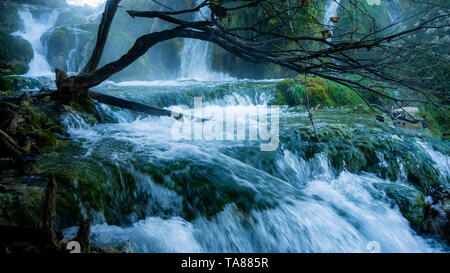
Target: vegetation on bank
pixel 90 185
pixel 15 52
pixel 31 134
pixel 324 92
pixel 327 93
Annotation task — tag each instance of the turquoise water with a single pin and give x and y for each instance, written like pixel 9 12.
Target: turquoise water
pixel 168 195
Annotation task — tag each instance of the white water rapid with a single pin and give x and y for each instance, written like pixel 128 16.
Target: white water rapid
pixel 195 56
pixel 331 11
pixel 34 28
pixel 313 207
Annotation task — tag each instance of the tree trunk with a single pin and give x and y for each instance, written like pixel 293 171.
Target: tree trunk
pixel 83 236
pixel 51 241
pixel 131 105
pixel 102 35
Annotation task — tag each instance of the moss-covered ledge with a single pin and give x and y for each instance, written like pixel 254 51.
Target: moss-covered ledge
pixel 33 130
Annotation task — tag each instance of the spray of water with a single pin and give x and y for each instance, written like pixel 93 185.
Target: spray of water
pixel 317 209
pixel 34 29
pixel 195 56
pixel 331 10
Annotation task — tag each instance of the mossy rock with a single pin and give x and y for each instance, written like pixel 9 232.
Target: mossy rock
pixel 10 18
pixel 368 150
pixel 59 43
pixel 288 93
pixel 320 91
pixel 21 204
pixel 15 54
pixel 411 202
pixel 18 83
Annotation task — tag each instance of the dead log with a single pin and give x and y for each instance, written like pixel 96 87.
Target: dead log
pixel 24 96
pixel 10 144
pixel 83 236
pixel 131 105
pixel 48 227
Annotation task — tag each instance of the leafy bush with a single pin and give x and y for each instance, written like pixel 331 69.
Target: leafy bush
pixel 320 91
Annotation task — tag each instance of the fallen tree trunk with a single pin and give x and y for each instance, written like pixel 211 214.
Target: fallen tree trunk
pixel 25 96
pixel 10 144
pixel 134 106
pixel 48 227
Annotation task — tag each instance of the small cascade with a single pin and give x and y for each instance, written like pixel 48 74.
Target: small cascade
pixel 302 205
pixel 196 54
pixel 331 11
pixel 395 15
pixel 442 162
pixel 75 61
pixel 34 28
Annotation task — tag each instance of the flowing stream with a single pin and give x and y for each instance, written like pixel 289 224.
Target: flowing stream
pixel 139 183
pixel 331 10
pixel 195 55
pixel 214 196
pixel 33 31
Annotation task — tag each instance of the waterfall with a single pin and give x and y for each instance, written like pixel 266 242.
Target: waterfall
pixel 34 29
pixel 75 61
pixel 71 62
pixel 196 54
pixel 312 207
pixel 331 11
pixel 393 11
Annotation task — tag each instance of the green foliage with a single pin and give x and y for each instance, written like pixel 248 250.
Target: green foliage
pixel 17 83
pixel 361 20
pixel 437 118
pixel 15 54
pixel 320 91
pixel 10 21
pixel 304 17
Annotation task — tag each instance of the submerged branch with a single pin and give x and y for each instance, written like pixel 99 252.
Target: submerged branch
pixel 131 105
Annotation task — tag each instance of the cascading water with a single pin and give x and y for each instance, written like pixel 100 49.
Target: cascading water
pixel 75 62
pixel 169 195
pixel 216 196
pixel 195 55
pixel 395 15
pixel 33 30
pixel 331 10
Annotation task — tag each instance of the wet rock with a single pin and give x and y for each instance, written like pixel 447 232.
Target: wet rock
pixel 410 201
pixel 437 215
pixel 59 42
pixel 20 204
pixel 18 83
pixel 15 52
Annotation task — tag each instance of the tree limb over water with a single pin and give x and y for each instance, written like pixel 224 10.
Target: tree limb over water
pixel 291 34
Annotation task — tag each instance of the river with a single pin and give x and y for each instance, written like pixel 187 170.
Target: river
pixel 203 194
pixel 215 196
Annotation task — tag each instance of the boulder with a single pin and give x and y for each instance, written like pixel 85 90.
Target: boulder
pixel 15 52
pixel 437 214
pixel 410 201
pixel 18 83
